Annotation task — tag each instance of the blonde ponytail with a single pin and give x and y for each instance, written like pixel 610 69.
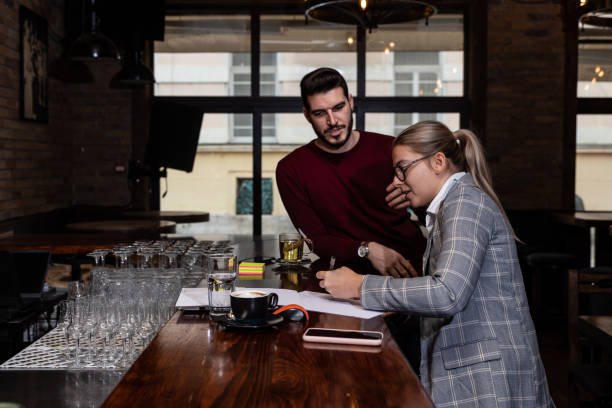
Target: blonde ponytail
pixel 476 165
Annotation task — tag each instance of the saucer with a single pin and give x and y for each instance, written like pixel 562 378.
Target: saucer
pixel 269 321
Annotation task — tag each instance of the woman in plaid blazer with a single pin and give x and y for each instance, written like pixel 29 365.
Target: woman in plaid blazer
pixel 478 342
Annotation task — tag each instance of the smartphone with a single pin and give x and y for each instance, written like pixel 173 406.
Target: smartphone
pixel 359 337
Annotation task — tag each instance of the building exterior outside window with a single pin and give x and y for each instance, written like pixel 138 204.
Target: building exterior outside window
pixel 216 62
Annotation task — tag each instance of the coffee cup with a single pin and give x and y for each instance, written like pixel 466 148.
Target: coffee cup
pixel 252 304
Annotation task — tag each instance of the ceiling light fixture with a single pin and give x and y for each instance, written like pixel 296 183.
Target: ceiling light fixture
pixel 369 15
pixel 93 44
pixel 134 72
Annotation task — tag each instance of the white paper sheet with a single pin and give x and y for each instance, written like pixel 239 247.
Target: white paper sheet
pixel 193 298
pixel 325 303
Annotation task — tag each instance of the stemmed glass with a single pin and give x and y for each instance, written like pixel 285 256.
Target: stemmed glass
pixel 77 329
pixel 75 289
pixel 98 271
pixel 64 320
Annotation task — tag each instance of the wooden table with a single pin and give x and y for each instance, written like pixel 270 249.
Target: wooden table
pixel 65 248
pixel 63 244
pixel 180 217
pixel 590 220
pixel 194 362
pixel 197 363
pixel 128 227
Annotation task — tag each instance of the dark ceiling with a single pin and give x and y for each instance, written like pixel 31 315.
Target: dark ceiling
pixel 269 4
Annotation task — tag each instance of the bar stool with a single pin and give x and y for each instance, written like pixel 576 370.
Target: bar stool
pixel 542 262
pixel 594 376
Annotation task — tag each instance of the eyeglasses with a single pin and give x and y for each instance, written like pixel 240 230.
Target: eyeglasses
pixel 399 171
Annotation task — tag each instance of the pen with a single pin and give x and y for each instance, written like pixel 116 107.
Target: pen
pixel 332 262
pixel 305 238
pixel 302 234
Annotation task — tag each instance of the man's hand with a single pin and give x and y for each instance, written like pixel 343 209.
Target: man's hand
pixel 390 262
pixel 396 198
pixel 341 283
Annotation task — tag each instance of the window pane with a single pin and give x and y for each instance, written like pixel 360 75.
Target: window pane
pixel 200 54
pixel 241 59
pixel 242 90
pixel 301 48
pixel 403 90
pixel 268 59
pixel 267 90
pixel 594 161
pixel 292 130
pixel 436 49
pixel 399 76
pixel 242 119
pixel 393 123
pixel 212 185
pixel 242 78
pixel 244 199
pixel 416 58
pixel 595 70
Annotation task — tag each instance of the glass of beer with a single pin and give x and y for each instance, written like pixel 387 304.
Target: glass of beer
pixel 291 247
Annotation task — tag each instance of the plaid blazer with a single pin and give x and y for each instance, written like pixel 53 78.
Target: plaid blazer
pixel 478 342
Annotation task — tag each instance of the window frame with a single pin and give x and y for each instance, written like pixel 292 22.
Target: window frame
pixel 257 105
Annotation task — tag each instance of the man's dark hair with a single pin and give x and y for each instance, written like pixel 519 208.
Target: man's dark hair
pixel 319 81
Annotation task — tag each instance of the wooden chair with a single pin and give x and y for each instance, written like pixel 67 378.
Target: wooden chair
pixel 594 377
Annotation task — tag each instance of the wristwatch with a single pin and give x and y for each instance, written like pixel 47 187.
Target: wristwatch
pixel 363 250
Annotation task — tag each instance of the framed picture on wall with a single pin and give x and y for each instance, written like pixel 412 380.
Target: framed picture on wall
pixel 33 52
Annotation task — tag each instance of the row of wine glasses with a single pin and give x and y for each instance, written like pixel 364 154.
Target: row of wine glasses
pixel 107 323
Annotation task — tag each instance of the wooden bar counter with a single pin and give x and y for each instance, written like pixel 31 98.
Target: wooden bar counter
pixel 195 362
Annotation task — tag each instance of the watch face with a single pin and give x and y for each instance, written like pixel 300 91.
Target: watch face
pixel 362 251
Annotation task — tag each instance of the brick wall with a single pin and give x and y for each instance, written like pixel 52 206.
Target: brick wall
pixel 70 159
pixel 526 103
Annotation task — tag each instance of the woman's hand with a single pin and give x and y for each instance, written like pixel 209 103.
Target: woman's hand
pixel 396 198
pixel 341 283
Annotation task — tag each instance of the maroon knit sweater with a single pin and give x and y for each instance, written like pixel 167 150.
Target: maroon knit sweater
pixel 338 200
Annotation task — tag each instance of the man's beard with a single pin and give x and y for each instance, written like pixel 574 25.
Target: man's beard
pixel 321 136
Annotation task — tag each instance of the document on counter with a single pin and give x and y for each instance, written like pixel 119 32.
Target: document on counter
pixel 196 298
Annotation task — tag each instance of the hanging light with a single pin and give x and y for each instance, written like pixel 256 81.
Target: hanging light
pixel 134 72
pixel 369 16
pixel 93 44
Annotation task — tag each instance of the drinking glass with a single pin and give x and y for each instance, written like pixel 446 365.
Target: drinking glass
pixel 64 319
pixel 220 278
pixel 76 289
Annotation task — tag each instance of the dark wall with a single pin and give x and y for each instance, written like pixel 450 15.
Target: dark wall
pixel 69 160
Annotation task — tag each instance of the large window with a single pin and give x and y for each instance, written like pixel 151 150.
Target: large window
pixel 594 121
pixel 407 73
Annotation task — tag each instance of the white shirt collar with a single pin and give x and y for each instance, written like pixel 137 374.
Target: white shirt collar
pixel 434 206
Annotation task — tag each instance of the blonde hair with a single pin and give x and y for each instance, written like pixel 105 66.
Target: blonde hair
pixel 461 147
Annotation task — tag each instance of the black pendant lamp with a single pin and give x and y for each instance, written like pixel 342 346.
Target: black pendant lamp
pixel 134 72
pixel 93 45
pixel 369 14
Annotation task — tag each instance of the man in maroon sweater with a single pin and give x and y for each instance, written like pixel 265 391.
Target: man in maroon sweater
pixel 334 187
